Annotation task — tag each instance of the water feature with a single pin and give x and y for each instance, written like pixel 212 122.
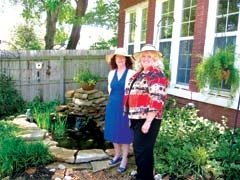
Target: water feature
pixel 82 132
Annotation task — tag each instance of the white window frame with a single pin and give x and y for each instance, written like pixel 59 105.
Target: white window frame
pixel 138 9
pixel 216 99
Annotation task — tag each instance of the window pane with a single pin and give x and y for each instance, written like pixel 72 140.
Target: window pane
pixel 191 29
pixel 186 14
pixel 192 13
pixel 221 24
pixel 141 45
pixel 221 43
pixel 132 27
pixel 188 20
pixel 227 18
pixel 233 6
pixel 167 19
pixel 165 49
pixel 187 3
pixel 184 31
pixel 222 7
pixel 232 22
pixel 144 25
pixel 130 49
pixel 184 64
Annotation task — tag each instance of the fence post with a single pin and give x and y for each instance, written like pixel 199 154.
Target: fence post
pixel 61 81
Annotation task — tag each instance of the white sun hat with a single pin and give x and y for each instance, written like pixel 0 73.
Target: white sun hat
pixel 119 51
pixel 148 47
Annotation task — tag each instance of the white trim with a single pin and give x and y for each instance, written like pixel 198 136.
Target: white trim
pixel 138 10
pixel 202 97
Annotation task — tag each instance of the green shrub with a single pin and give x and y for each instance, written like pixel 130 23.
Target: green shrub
pixel 11 101
pixel 7 129
pixel 37 106
pixel 41 111
pixel 58 127
pixel 17 155
pixel 190 146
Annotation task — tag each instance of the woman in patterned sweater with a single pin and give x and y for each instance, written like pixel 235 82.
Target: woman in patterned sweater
pixel 144 98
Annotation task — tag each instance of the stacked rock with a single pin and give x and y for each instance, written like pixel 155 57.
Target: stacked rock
pixel 90 103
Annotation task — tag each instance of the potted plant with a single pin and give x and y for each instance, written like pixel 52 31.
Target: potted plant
pixel 86 78
pixel 218 70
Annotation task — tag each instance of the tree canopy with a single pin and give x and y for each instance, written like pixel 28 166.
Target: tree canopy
pixel 57 14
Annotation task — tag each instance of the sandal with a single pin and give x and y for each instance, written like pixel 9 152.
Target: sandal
pixel 121 169
pixel 113 162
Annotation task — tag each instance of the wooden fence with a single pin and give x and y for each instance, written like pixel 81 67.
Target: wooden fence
pixel 49 73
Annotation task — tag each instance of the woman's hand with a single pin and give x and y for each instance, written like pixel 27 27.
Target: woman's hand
pixel 146 126
pixel 147 123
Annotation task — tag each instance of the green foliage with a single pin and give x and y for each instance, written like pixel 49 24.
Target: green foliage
pixel 102 44
pixel 210 71
pixel 41 111
pixel 44 115
pixel 37 106
pixel 11 101
pixel 104 14
pixel 86 76
pixel 60 37
pixel 58 126
pixel 43 119
pixel 26 39
pixel 190 146
pixel 7 129
pixel 167 70
pixel 17 155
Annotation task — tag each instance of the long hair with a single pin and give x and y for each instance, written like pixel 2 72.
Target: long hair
pixel 128 63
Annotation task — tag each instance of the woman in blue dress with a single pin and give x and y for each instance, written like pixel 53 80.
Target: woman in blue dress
pixel 116 125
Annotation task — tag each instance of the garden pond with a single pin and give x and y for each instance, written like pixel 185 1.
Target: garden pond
pixel 82 133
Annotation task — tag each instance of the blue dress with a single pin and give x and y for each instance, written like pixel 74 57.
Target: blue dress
pixel 116 127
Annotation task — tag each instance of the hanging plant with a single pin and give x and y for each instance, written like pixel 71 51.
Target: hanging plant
pixel 218 69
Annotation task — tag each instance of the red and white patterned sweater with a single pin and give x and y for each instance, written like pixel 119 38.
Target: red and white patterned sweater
pixel 148 94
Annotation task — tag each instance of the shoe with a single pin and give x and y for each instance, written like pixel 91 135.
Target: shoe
pixel 158 177
pixel 113 162
pixel 121 169
pixel 133 175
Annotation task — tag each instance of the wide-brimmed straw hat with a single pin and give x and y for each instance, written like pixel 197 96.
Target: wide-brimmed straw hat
pixel 148 47
pixel 118 51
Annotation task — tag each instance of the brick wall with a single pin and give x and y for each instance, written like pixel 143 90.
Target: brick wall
pixel 199 39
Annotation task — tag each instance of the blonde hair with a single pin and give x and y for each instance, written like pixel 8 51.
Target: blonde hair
pixel 158 62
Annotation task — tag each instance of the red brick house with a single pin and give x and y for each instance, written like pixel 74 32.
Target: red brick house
pixel 179 29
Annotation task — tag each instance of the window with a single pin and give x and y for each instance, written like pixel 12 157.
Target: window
pixel 144 25
pixel 136 26
pixel 165 25
pixel 167 19
pixel 227 16
pixel 165 49
pixel 185 46
pixel 226 27
pixel 188 19
pixel 132 29
pixel 184 64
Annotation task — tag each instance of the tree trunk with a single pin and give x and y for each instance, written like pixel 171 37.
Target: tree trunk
pixel 52 18
pixel 76 28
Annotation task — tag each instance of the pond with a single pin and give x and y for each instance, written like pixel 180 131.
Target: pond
pixel 83 133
